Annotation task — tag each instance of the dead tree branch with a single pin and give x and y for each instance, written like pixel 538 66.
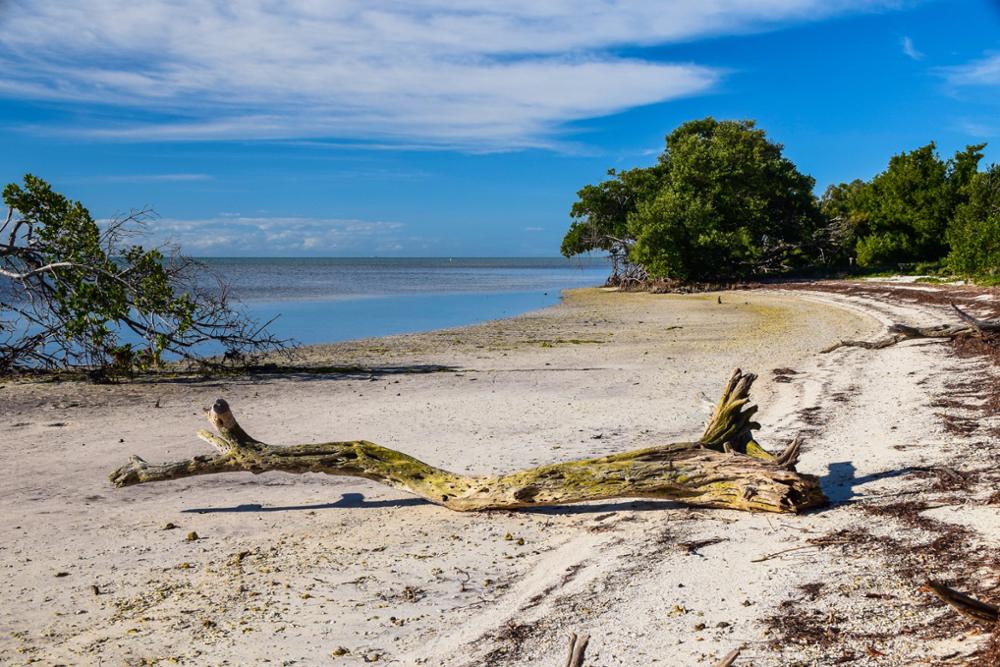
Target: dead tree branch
pixel 902 332
pixel 724 468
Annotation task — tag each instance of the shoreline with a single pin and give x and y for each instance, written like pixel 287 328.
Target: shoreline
pixel 597 372
pixel 324 300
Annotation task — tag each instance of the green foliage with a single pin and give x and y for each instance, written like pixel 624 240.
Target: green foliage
pixel 846 201
pixel 903 215
pixel 89 296
pixel 975 234
pixel 724 203
pixel 729 206
pixel 75 288
pixel 845 208
pixel 600 214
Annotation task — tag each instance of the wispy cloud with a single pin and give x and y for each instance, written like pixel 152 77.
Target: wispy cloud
pixel 910 50
pixel 479 74
pixel 978 129
pixel 233 234
pixel 982 72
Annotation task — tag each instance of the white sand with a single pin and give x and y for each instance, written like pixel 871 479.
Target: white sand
pixel 333 562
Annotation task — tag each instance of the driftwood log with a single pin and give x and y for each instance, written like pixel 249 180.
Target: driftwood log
pixel 724 468
pixel 970 326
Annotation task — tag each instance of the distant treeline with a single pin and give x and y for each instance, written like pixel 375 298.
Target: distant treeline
pixel 724 204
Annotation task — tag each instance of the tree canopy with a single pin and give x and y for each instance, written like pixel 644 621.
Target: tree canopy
pixel 903 214
pixel 731 205
pixel 601 213
pixel 974 235
pixel 724 203
pixel 74 293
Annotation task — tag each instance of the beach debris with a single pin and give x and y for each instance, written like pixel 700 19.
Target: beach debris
pixel 192 536
pixel 725 468
pixel 577 650
pixel 983 613
pixel 784 374
pixel 692 548
pixel 412 594
pixel 972 328
pixel 730 658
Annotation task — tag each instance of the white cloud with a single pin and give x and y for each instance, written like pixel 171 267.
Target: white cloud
pixel 474 74
pixel 983 72
pixel 232 234
pixel 909 50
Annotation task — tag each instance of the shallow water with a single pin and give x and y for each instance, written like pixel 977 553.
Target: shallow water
pixel 321 300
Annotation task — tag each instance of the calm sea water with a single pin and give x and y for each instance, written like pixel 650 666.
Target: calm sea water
pixel 321 300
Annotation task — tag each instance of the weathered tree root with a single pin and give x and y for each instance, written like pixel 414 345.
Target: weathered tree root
pixel 725 468
pixel 900 332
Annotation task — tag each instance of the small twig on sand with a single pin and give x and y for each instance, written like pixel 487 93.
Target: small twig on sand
pixel 824 541
pixel 784 551
pixel 730 657
pixel 577 649
pixel 692 547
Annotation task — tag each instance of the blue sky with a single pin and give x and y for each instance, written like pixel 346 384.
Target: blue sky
pixel 428 128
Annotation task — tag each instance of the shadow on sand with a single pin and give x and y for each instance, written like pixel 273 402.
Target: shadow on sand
pixel 303 372
pixel 347 501
pixel 358 501
pixel 841 481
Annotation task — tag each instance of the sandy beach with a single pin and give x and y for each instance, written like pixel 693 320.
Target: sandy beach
pixel 313 570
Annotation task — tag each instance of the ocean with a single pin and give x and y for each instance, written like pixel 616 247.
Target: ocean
pixel 324 300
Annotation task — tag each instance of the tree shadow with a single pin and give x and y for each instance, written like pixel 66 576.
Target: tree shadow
pixel 194 376
pixel 347 501
pixel 840 482
pixel 298 373
pixel 358 501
